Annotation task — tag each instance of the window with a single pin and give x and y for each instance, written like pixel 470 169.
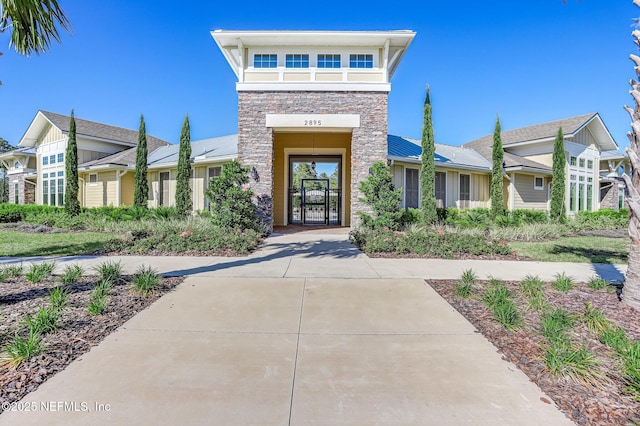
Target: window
pixel 60 191
pixel 411 186
pixel 45 160
pixel 45 175
pixel 164 189
pixel 214 172
pixel 16 193
pixel 262 60
pixel 581 196
pixel 60 158
pixel 93 179
pixel 60 174
pixel 465 191
pixel 297 60
pixel 589 197
pixel 572 197
pixel 573 161
pixel 328 61
pixel 17 165
pixel 538 183
pixel 572 177
pixel 590 164
pixel 581 178
pixel 52 159
pixel 361 61
pixel 441 189
pixel 581 163
pixel 45 192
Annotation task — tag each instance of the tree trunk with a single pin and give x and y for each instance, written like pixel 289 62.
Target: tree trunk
pixel 631 292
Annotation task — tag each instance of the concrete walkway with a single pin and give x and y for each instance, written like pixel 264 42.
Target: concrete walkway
pixel 333 256
pixel 306 331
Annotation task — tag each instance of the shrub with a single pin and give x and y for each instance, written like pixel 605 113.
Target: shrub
pixel 575 363
pixel 507 314
pixel 531 285
pixel 98 299
pixel 598 283
pixel 563 282
pixel 595 320
pixel 538 303
pixel 468 276
pixel 44 321
pixel 601 219
pixel 497 293
pixel 230 198
pixel 555 324
pixel 632 369
pixel 615 338
pixel 109 271
pixel 12 271
pixel 382 197
pixel 71 274
pixel 22 349
pixel 463 289
pixel 38 272
pixel 58 297
pixel 145 280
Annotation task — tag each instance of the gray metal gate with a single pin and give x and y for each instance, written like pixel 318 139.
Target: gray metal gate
pixel 315 203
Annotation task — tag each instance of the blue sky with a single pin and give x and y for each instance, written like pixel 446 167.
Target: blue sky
pixel 529 61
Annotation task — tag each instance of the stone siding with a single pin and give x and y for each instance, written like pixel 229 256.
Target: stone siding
pixel 26 191
pixel 255 140
pixel 609 197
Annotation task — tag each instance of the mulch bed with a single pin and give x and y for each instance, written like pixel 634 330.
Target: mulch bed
pixel 78 331
pixel 606 404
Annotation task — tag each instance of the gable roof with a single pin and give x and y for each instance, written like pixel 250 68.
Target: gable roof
pixel 511 161
pixel 203 150
pixel 126 158
pixel 549 130
pixel 409 149
pixel 84 128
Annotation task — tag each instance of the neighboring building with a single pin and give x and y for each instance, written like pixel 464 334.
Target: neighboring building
pixel 528 153
pixel 37 167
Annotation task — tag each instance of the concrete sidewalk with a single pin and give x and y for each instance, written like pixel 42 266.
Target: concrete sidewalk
pixel 298 351
pixel 333 256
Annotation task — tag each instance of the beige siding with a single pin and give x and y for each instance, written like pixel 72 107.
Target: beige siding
pixel 261 76
pixel 526 197
pixel 546 159
pixel 584 137
pixel 361 76
pixel 127 188
pixel 297 76
pixel 51 134
pixel 397 171
pixel 102 193
pixel 327 76
pixel 153 178
pixel 198 185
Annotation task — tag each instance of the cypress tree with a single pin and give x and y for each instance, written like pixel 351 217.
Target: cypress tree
pixel 141 191
pixel 497 198
pixel 428 172
pixel 558 185
pixel 184 205
pixel 71 203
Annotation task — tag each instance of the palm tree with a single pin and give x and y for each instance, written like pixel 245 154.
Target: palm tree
pixel 33 24
pixel 631 290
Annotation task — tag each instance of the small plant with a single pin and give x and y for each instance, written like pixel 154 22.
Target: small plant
pixel 58 297
pixel 38 272
pixel 98 300
pixel 109 271
pixel 145 280
pixel 563 282
pixel 532 285
pixel 616 339
pixel 507 314
pixel 598 283
pixel 468 276
pixel 13 271
pixel 632 369
pixel 538 303
pixel 577 364
pixel 555 324
pixel 71 274
pixel 22 349
pixel 44 321
pixel 496 294
pixel 595 320
pixel 463 290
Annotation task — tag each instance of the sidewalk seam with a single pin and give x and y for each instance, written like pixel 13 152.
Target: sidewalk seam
pixel 295 361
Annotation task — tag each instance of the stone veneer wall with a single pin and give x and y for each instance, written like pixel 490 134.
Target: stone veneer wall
pixel 609 198
pixel 255 140
pixel 26 191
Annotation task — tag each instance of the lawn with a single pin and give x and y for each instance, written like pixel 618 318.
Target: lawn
pixel 586 249
pixel 15 243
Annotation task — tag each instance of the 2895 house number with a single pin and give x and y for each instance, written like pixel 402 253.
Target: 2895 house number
pixel 313 122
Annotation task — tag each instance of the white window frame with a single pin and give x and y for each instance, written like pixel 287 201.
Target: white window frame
pixel 95 183
pixel 540 187
pixel 17 165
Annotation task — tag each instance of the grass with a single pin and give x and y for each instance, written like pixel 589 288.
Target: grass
pixel 595 320
pixel 563 282
pixel 109 271
pixel 13 271
pixel 145 280
pixel 44 321
pixel 577 364
pixel 71 274
pixel 498 299
pixel 531 285
pixel 18 244
pixel 555 325
pixel 38 272
pixel 58 297
pixel 598 283
pixel 22 349
pixel 98 299
pixel 464 286
pixel 585 249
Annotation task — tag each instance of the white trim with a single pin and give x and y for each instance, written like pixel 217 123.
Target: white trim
pixel 512 192
pixel 314 122
pixel 536 187
pixel 315 87
pixel 93 183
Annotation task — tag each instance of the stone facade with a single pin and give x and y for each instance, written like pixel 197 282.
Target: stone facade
pixel 609 197
pixel 26 190
pixel 255 140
